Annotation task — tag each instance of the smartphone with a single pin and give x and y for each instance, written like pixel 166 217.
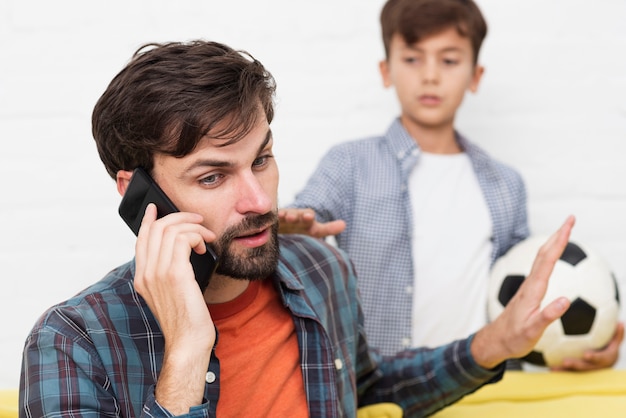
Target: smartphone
pixel 143 190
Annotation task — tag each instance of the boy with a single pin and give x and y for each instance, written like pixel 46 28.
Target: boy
pixel 144 340
pixel 427 211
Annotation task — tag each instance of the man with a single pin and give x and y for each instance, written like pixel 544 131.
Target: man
pixel 283 332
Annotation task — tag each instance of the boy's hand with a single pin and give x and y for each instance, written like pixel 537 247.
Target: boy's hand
pixel 516 331
pixel 597 359
pixel 302 221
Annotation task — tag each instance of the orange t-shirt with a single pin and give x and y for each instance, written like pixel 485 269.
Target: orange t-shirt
pixel 260 372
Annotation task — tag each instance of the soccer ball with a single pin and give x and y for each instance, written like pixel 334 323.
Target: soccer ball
pixel 580 275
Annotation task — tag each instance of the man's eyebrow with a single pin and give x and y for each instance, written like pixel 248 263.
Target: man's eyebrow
pixel 268 137
pixel 223 163
pixel 205 163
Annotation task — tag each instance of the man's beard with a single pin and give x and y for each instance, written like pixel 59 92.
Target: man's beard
pixel 254 263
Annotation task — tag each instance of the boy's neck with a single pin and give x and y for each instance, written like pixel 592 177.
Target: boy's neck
pixel 434 140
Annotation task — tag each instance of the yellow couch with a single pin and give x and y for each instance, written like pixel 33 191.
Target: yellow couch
pixel 8 403
pixel 380 410
pixel 546 394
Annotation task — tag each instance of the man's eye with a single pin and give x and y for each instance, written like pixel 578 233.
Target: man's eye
pixel 450 61
pixel 261 161
pixel 210 180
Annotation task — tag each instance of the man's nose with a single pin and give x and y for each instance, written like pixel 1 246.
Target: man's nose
pixel 252 197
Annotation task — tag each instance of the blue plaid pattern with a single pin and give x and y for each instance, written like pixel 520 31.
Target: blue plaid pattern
pixel 99 354
pixel 365 183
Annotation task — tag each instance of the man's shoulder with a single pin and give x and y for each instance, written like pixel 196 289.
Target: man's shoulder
pixel 303 256
pixel 296 246
pixel 116 283
pixel 113 291
pixel 319 272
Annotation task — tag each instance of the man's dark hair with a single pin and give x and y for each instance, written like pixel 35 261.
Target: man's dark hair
pixel 169 96
pixel 415 19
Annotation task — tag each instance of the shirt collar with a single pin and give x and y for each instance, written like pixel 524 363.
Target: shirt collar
pixel 285 276
pixel 292 291
pixel 406 150
pixel 401 144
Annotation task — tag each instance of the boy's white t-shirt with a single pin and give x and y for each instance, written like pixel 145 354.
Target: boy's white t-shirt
pixel 452 246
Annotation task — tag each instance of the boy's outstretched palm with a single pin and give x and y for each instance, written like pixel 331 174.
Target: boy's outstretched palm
pixel 302 221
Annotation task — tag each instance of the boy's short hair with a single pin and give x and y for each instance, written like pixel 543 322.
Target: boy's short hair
pixel 169 96
pixel 415 19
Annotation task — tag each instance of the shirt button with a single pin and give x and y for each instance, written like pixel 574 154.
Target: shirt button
pixel 406 342
pixel 409 290
pixel 210 377
pixel 338 364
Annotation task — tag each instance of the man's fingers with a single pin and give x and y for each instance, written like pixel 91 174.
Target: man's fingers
pixel 158 241
pixel 548 255
pixel 554 310
pixel 141 245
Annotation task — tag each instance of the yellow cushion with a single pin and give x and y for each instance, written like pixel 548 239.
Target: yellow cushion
pixel 8 403
pixel 546 394
pixel 380 410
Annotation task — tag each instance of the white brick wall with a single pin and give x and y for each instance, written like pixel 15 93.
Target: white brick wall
pixel 552 104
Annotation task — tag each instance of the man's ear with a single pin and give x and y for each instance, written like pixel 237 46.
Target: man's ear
pixel 122 180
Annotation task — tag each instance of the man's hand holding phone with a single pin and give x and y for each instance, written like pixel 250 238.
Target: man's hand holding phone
pixel 172 254
pixel 164 276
